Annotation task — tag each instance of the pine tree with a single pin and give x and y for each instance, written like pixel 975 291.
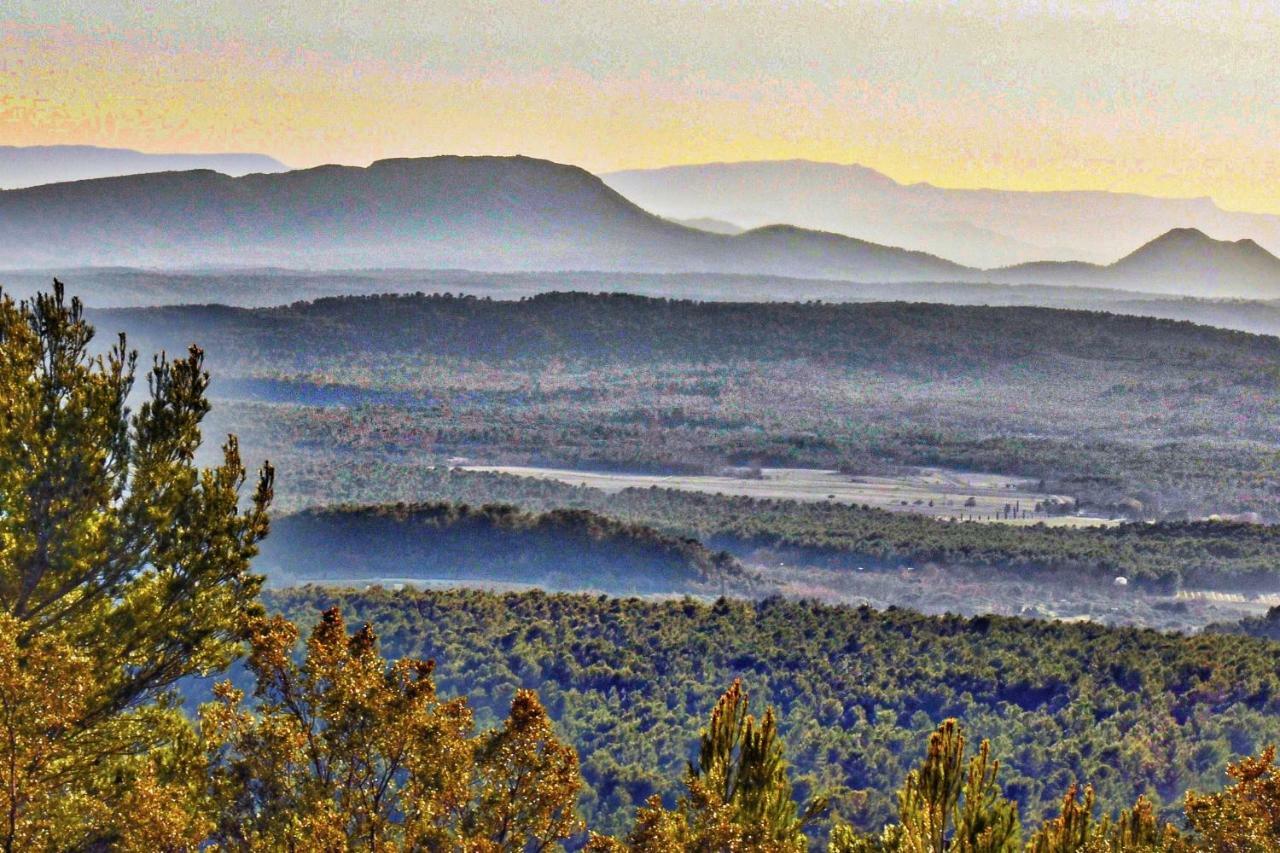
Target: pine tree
pixel 1072 830
pixel 117 550
pixel 946 806
pixel 739 794
pixel 1246 816
pixel 110 537
pixel 1075 830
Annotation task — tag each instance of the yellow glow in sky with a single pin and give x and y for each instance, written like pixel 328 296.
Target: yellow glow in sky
pixel 1152 96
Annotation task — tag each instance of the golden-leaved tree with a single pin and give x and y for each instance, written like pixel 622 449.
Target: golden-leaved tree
pixel 1246 816
pixel 347 752
pixel 123 569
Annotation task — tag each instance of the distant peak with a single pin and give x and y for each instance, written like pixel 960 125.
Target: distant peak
pixel 1179 238
pixel 793 166
pixel 1194 237
pixel 1185 234
pixel 1182 246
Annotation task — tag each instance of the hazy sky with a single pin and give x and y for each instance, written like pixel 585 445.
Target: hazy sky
pixel 1169 97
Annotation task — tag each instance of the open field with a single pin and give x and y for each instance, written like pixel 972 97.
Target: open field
pixel 1255 601
pixel 935 492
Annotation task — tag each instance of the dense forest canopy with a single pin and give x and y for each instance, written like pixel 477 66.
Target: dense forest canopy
pixel 857 692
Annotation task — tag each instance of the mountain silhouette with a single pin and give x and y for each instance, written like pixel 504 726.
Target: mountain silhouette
pixel 1183 260
pixel 35 165
pixel 513 214
pixel 977 227
pixel 496 213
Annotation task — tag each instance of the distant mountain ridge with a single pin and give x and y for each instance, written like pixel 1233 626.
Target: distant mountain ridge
pixel 976 227
pixel 35 165
pixel 503 214
pixel 494 213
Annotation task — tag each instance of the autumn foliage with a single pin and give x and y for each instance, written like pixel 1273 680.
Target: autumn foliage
pixel 345 750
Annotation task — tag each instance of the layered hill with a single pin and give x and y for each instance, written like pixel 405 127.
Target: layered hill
pixel 488 213
pixel 561 549
pixel 978 227
pixel 1185 260
pixel 29 166
pixel 512 214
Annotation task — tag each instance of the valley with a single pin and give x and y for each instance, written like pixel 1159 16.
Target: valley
pixel 806 440
pixel 1114 412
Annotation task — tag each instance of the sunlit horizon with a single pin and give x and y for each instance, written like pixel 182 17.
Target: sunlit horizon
pixel 1151 97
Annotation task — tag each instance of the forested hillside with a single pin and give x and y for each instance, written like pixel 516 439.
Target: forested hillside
pixel 608 328
pixel 131 287
pixel 561 549
pixel 857 692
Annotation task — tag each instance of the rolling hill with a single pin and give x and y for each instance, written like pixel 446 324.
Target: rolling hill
pixel 489 213
pixel 29 166
pixel 1184 260
pixel 561 549
pixel 978 227
pixel 619 328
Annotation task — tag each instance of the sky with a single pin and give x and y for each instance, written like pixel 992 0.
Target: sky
pixel 1164 97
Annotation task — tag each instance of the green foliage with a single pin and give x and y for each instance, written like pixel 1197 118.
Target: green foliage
pixel 741 763
pixel 110 536
pixel 738 794
pixel 857 693
pixel 947 807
